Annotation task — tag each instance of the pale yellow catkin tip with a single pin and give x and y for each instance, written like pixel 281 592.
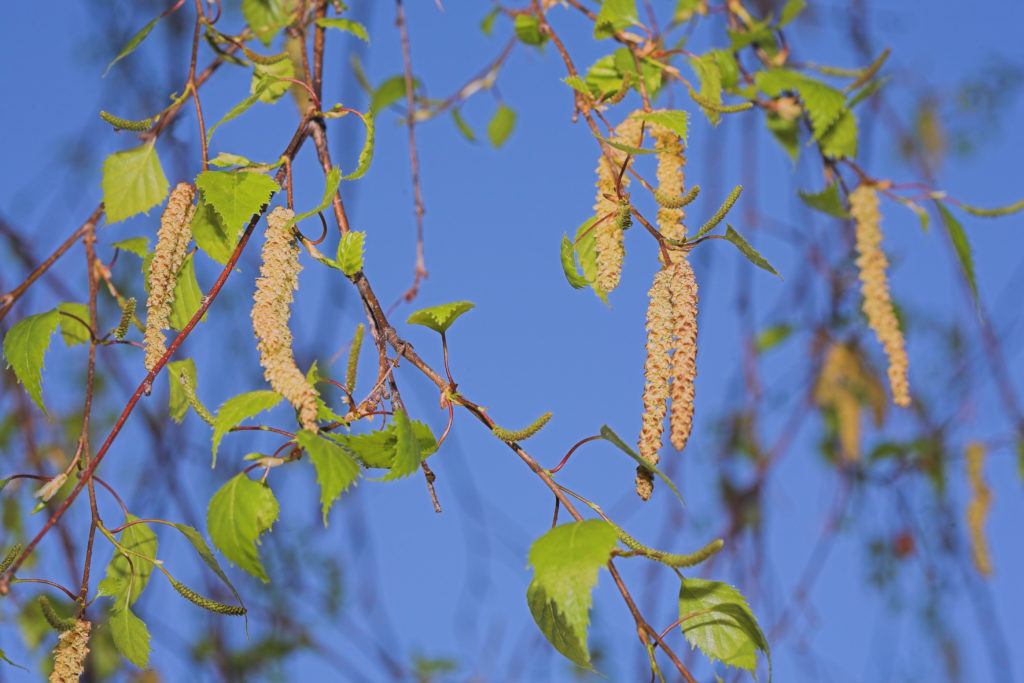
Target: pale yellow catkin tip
pixel 671 159
pixel 977 508
pixel 684 360
pixel 270 312
pixel 875 288
pixel 608 233
pixel 69 655
pixel 657 369
pixel 171 242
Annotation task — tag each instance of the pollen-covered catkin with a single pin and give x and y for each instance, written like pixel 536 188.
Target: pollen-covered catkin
pixel 656 376
pixel 684 360
pixel 171 241
pixel 671 159
pixel 977 508
pixel 279 277
pixel 608 233
pixel 69 655
pixel 875 288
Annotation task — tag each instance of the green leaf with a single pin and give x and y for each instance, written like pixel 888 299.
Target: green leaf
pixel 3 656
pixel 687 8
pixel 125 581
pixel 577 84
pixel 772 336
pixel 565 562
pixel 827 201
pixel 366 155
pixel 487 23
pixel 74 330
pixel 568 256
pixel 710 76
pixel 786 133
pixel 188 297
pixel 199 543
pixel 265 17
pixel 604 78
pixel 226 159
pixel 236 196
pixel 377 449
pixel 133 182
pixel 407 448
pixel 267 84
pixel 623 147
pixel 390 91
pixel 790 11
pixel 528 30
pixel 210 234
pixel 258 92
pixel 872 86
pixel 350 252
pixel 501 124
pixel 677 121
pixel 716 619
pixel 323 412
pixel 336 470
pixel 131 637
pixel 134 42
pixel 825 105
pixel 439 318
pixel 178 401
pixel 586 252
pixel 24 347
pixel 238 408
pixel 353 27
pixel 136 245
pixel 614 16
pixel 238 514
pixel 461 124
pixel 608 435
pixel 625 64
pixel 728 68
pixel 962 247
pixel 748 251
pixel 840 140
pixel 332 181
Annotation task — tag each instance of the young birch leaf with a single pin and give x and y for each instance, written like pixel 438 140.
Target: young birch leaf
pixel 790 11
pixel 267 83
pixel 24 347
pixel 439 318
pixel 240 108
pixel 350 252
pixel 353 27
pixel 614 16
pixel 565 562
pixel 210 234
pixel 265 17
pixel 74 330
pixel 133 182
pixel 586 252
pixel 330 189
pixel 3 656
pixel 787 133
pixel 826 201
pixel 123 577
pixel 366 155
pixel 716 619
pixel 710 75
pixel 238 408
pixel 336 470
pixel 134 245
pixel 961 245
pixel 677 121
pixel 501 124
pixel 389 92
pixel 188 297
pixel 407 448
pixel 528 30
pixel 235 196
pixel 131 637
pixel 461 124
pixel 623 147
pixel 749 251
pixel 134 42
pixel 238 514
pixel 608 435
pixel 840 140
pixel 178 402
pixel 199 543
pixel 568 257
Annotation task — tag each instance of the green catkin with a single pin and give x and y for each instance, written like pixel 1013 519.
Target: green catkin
pixel 206 603
pixel 991 213
pixel 9 557
pixel 353 358
pixel 669 202
pixel 193 400
pixel 127 124
pixel 670 559
pixel 127 313
pixel 263 59
pixel 720 108
pixel 56 622
pixel 511 436
pixel 624 218
pixel 722 211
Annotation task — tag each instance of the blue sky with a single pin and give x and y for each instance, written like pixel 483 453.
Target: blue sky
pixel 452 585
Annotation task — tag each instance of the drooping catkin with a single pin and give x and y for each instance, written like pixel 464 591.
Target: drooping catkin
pixel 279 277
pixel 171 241
pixel 977 509
pixel 657 369
pixel 671 159
pixel 846 385
pixel 608 233
pixel 875 288
pixel 684 360
pixel 69 655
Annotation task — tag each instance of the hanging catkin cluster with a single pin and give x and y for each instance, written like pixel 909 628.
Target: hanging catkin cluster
pixel 171 241
pixel 671 159
pixel 69 655
pixel 684 360
pixel 844 385
pixel 657 370
pixel 608 233
pixel 875 288
pixel 270 312
pixel 977 508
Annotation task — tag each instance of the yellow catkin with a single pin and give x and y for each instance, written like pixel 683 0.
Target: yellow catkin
pixel 656 376
pixel 171 242
pixel 875 288
pixel 279 277
pixel 671 159
pixel 977 509
pixel 608 233
pixel 69 655
pixel 684 361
